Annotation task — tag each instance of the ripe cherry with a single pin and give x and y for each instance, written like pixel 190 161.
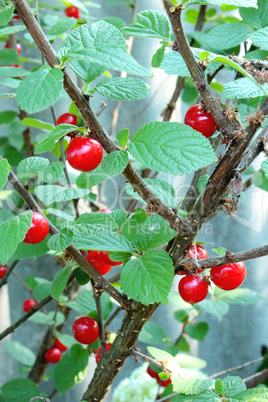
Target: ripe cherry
pixel 106 211
pixel 95 259
pixel 99 352
pixel 59 345
pixel 229 276
pixel 67 118
pixel 15 65
pixel 193 288
pixel 38 230
pixel 15 17
pixel 200 254
pixel 53 355
pixel 107 260
pixel 200 121
pixel 163 383
pixel 18 47
pixel 85 330
pixel 84 154
pixel 28 304
pixel 152 373
pixel 3 271
pixel 72 12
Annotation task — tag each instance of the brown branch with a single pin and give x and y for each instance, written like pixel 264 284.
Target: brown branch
pixel 255 379
pixel 9 271
pixel 240 367
pixel 97 297
pixel 97 131
pixel 145 358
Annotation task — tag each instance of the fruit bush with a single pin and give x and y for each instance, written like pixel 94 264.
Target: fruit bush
pixel 52 180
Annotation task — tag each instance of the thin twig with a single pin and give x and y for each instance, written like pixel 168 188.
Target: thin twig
pixel 9 271
pixel 135 352
pixel 112 316
pixel 21 281
pixel 240 367
pixel 255 379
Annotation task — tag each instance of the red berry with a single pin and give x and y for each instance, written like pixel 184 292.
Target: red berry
pixel 85 330
pixel 107 260
pixel 163 383
pixel 18 47
pixel 95 259
pixel 99 352
pixel 72 12
pixel 84 154
pixel 229 276
pixel 28 304
pixel 53 355
pixel 15 17
pixel 67 118
pixel 200 121
pixel 106 211
pixel 193 288
pixel 15 65
pixel 38 230
pixel 200 253
pixel 152 373
pixel 3 271
pixel 59 345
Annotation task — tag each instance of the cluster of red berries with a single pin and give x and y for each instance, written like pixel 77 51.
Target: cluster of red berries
pixel 53 355
pixel 152 373
pixel 83 153
pixel 194 288
pixel 200 120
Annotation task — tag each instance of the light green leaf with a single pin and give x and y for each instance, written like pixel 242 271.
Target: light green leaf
pixel 48 319
pixel 202 182
pixel 89 179
pixel 109 50
pixel 148 279
pixel 19 390
pixel 98 220
pixel 187 361
pixel 259 38
pixel 173 63
pixel 127 89
pixel 25 250
pixel 238 3
pixel 243 88
pixel 62 25
pixel 6 15
pixel 233 385
pixel 207 396
pixel 85 303
pixel 60 281
pixel 31 122
pixel 49 142
pixel 251 395
pixel 4 172
pixel 153 334
pixel 102 242
pixel 53 193
pixel 7 57
pixel 13 231
pixel 216 307
pixel 150 23
pixel 158 57
pixel 42 290
pixel 61 214
pixel 29 167
pixel 12 72
pixel 51 173
pixel 122 137
pixel 220 250
pixel 40 89
pixel 20 352
pixel 11 30
pixel 71 369
pixel 171 148
pixel 86 70
pixel 240 296
pixel 60 241
pixel 114 163
pixel 226 36
pixel 204 56
pixel 187 382
pixel 264 167
pixel 256 17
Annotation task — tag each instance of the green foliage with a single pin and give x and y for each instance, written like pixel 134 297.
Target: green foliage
pixel 29 167
pixel 150 23
pixel 6 15
pixel 114 163
pixel 243 88
pixel 158 57
pixel 20 352
pixel 259 38
pixel 122 137
pixel 19 390
pixel 202 182
pixel 264 167
pixel 11 30
pixel 256 17
pixel 85 303
pixel 197 330
pixel 4 172
pixel 31 122
pixel 60 281
pixel 238 3
pixel 7 57
pixel 53 193
pixel 30 250
pixel 124 89
pixel 62 26
pixel 153 334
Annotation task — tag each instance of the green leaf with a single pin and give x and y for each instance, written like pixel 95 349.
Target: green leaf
pixel 102 241
pixel 51 173
pixel 4 172
pixel 204 55
pixel 259 38
pixel 85 303
pixel 7 116
pixel 217 308
pixel 109 50
pixel 255 17
pixel 6 15
pixel 48 143
pixel 238 3
pixel 148 279
pixel 226 36
pixel 181 316
pixel 173 63
pixel 25 250
pixel 187 382
pixel 150 23
pixel 29 167
pixel 153 334
pixel 12 72
pixel 160 188
pixel 90 179
pixel 82 278
pixel 31 122
pixel 114 163
pixel 7 57
pixel 197 330
pixel 20 352
pixel 233 385
pixel 13 231
pixel 42 290
pixel 124 89
pixel 122 137
pixel 60 241
pixel 86 70
pixel 62 25
pixel 11 30
pixel 251 395
pixel 71 369
pixel 202 182
pixel 219 251
pixel 264 167
pixel 240 296
pixel 207 396
pixel 47 83
pixel 187 361
pixel 98 220
pixel 48 319
pixel 158 57
pixel 19 390
pixel 171 148
pixel 243 88
pixel 53 193
pixel 219 387
pixel 60 281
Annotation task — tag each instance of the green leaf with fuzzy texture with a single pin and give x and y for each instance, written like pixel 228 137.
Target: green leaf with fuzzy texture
pixel 100 241
pixel 6 15
pixel 233 385
pixel 124 89
pixel 150 23
pixel 7 57
pixel 53 193
pixel 4 172
pixel 148 279
pixel 11 30
pixel 62 25
pixel 238 3
pixel 226 36
pixel 216 307
pixel 158 57
pixel 243 88
pixel 13 231
pixel 7 71
pixel 171 148
pixel 114 163
pixel 256 17
pixel 31 122
pixel 122 137
pixel 25 250
pixel 259 38
pixel 29 167
pixel 60 281
pixel 89 179
pixel 19 390
pixel 40 89
pixel 251 395
pixel 59 242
